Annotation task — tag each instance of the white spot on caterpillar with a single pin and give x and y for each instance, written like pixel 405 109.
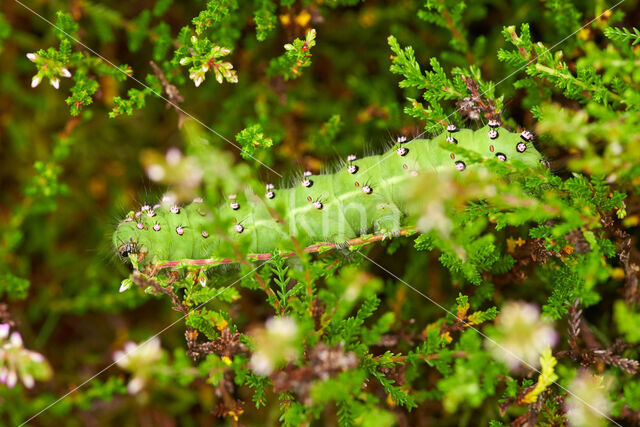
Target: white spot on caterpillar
pixel 306 182
pixel 452 128
pixel 140 226
pixel 351 168
pixel 521 147
pixel 156 227
pixel 493 123
pixel 526 135
pixel 198 200
pixel 493 134
pixel 180 231
pixel 157 206
pixel 234 205
pixel 366 189
pixel 138 214
pixel 317 204
pixel 460 165
pixel 151 213
pixel 402 151
pixel 451 140
pixel 270 194
pixel 175 209
pixel 205 234
pixel 239 228
pixel 502 157
pixel 145 208
pixel 127 220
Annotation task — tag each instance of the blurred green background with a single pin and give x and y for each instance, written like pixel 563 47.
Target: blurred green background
pixel 66 180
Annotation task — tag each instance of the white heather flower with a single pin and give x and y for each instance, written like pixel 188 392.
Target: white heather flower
pixel 155 172
pixel 140 361
pixel 521 335
pixel 589 401
pixel 55 82
pixel 135 355
pixel 35 81
pixel 32 56
pixel 261 364
pixel 65 72
pixel 198 81
pixel 173 156
pixel 124 285
pixel 284 327
pixel 185 60
pixel 274 344
pixel 135 385
pixel 36 357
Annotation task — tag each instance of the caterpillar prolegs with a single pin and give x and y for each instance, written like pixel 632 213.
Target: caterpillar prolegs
pixel 321 210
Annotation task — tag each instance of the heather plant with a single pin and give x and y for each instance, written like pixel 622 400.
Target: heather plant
pixel 296 213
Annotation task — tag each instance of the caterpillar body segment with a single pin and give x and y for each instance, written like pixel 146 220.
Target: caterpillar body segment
pixel 360 198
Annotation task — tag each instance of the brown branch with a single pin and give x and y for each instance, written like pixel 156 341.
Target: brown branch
pixel 475 104
pixel 171 90
pixel 628 256
pixel 139 279
pixel 592 354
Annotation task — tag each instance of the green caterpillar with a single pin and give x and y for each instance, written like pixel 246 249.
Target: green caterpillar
pixel 360 198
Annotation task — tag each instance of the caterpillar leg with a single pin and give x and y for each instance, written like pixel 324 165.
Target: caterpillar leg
pixel 388 219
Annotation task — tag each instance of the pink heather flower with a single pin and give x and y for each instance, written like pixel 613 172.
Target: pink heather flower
pixel 18 363
pixel 4 330
pixel 16 339
pixel 36 357
pixel 65 72
pixel 12 379
pixel 28 381
pixel 32 56
pixel 55 82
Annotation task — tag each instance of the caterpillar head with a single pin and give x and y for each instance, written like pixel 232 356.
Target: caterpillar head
pixel 167 232
pixel 126 239
pixel 127 248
